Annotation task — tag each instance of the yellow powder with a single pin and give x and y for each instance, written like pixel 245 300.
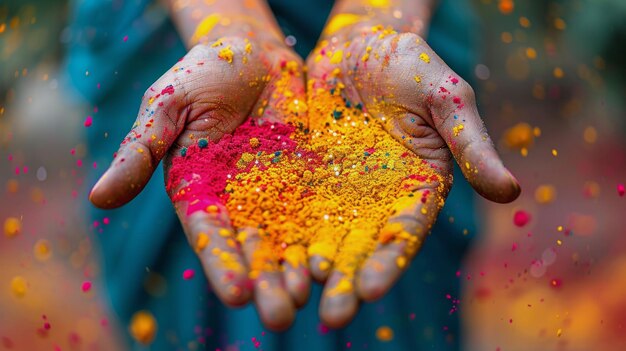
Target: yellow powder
pixel 19 286
pixel 334 199
pixel 205 27
pixel 226 54
pixel 12 227
pixel 340 21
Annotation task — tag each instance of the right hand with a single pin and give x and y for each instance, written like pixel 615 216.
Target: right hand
pixel 208 94
pixel 411 92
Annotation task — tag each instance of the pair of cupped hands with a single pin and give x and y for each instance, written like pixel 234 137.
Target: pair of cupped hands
pixel 208 94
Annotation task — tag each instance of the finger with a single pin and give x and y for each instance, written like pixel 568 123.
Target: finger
pixel 285 99
pixel 339 302
pixel 296 274
pixel 322 251
pixel 398 242
pixel 320 267
pixel 157 126
pixel 274 303
pixel 213 239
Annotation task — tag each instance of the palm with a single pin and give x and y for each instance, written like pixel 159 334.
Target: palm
pixel 431 111
pixel 213 90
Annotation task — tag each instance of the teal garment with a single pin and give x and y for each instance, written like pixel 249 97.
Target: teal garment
pixel 143 249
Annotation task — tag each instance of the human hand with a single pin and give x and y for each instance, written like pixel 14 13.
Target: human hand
pixel 429 109
pixel 210 92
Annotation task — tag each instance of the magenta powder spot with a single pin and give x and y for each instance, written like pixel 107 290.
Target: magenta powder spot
pixel 88 121
pixel 207 170
pixel 556 283
pixel 521 218
pixel 86 286
pixel 188 274
pixel 322 329
pixel 620 189
pixel 168 90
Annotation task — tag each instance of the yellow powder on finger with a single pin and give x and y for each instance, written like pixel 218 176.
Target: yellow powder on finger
pixel 226 54
pixel 340 21
pixel 204 28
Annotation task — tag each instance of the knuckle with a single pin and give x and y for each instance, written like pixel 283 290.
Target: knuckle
pixel 408 36
pixel 466 89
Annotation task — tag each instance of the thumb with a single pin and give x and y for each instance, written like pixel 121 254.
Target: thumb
pixel 455 116
pixel 158 124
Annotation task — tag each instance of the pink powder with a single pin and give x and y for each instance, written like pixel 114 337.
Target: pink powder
pixel 86 286
pixel 168 90
pixel 206 170
pixel 188 274
pixel 521 218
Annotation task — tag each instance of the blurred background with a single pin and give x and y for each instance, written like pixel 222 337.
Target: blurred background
pixel 548 272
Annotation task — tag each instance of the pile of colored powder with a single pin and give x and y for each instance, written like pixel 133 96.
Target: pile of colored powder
pixel 322 184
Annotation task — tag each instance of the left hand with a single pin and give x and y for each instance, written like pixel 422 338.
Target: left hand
pixel 208 94
pixel 428 108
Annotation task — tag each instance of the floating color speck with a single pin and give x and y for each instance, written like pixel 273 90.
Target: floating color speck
pixel 143 327
pixel 12 227
pixel 86 286
pixel 521 218
pixel 19 286
pixel 384 334
pixel 88 121
pixel 188 274
pixel 42 250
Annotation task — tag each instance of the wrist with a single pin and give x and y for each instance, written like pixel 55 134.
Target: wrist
pixel 216 26
pixel 203 22
pixel 347 26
